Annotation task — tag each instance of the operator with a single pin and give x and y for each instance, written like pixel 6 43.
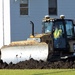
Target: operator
pixel 57 33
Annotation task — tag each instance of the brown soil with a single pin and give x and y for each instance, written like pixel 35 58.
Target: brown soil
pixel 33 64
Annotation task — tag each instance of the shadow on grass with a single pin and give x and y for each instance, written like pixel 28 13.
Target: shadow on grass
pixel 56 72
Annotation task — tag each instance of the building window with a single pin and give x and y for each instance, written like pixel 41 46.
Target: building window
pixel 23 7
pixel 52 7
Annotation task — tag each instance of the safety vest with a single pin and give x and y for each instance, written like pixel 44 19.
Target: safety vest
pixel 57 33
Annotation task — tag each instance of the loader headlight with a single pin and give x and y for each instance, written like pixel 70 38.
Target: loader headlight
pixel 62 16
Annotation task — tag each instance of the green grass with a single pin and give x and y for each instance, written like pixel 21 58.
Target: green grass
pixel 38 72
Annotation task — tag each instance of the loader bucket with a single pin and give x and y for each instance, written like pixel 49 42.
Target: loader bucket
pixel 19 53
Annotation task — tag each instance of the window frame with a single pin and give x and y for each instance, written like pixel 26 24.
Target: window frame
pixel 24 7
pixel 52 10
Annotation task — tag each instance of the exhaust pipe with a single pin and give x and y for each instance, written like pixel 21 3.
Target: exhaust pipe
pixel 32 28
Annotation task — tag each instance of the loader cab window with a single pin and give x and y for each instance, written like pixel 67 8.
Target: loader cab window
pixel 59 35
pixel 69 29
pixel 47 27
pixel 58 29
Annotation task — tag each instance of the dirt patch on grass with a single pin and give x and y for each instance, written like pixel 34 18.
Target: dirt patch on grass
pixel 34 64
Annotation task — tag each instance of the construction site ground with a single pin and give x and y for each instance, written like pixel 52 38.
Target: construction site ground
pixel 34 64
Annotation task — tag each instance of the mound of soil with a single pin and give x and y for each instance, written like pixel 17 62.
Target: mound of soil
pixel 34 64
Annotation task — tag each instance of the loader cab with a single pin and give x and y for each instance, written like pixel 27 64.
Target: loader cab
pixel 66 32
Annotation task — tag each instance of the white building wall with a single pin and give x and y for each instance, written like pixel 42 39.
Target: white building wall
pixel 1 24
pixel 4 22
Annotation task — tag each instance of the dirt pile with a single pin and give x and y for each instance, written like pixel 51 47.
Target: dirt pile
pixel 34 64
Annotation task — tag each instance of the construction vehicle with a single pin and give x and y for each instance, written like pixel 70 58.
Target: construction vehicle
pixel 50 45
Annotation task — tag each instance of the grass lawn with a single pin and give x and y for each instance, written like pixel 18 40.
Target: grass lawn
pixel 37 72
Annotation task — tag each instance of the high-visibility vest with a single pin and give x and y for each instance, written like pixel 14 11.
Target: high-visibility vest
pixel 57 33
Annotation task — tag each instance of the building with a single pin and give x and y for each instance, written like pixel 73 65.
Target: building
pixel 15 16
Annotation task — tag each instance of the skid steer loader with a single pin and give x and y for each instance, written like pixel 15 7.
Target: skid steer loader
pixel 57 41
